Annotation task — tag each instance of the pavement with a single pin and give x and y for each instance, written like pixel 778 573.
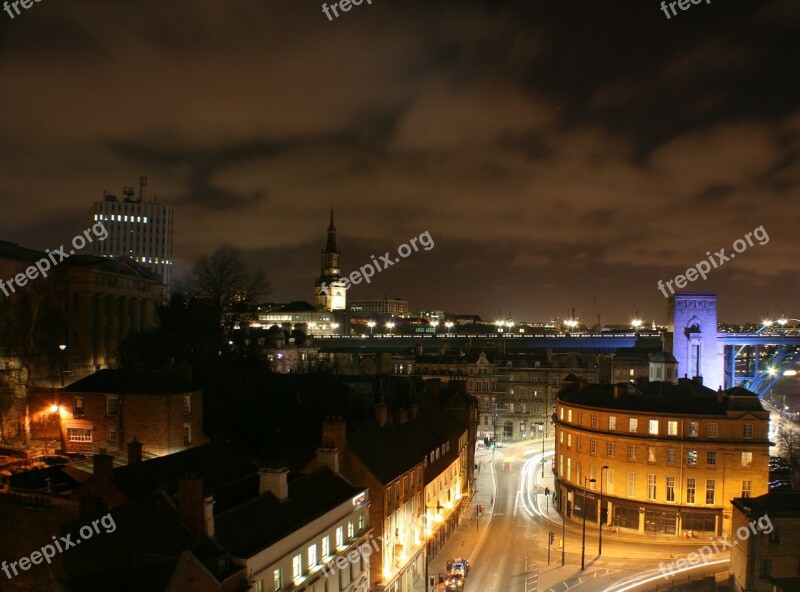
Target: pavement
pixel 467 540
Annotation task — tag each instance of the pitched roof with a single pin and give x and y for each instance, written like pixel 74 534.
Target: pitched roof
pixel 256 524
pixel 131 381
pixel 774 502
pixel 383 451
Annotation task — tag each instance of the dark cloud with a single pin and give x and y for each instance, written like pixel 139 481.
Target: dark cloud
pixel 561 154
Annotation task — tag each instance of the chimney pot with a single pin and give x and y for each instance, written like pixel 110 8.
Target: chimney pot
pixel 103 464
pixel 274 480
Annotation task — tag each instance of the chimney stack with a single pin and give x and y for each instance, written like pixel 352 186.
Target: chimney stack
pixel 134 452
pixel 328 456
pixel 103 464
pixel 193 505
pixel 334 430
pixel 274 480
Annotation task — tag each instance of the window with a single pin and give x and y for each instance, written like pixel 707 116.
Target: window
pixel 350 532
pixel 112 435
pixel 312 556
pixel 569 415
pixel 691 457
pixel 187 404
pixel 595 421
pixel 112 405
pixel 561 414
pixel 712 429
pixel 651 454
pixel 631 452
pixel 612 422
pixel 580 417
pixel 610 482
pixel 569 440
pixel 653 427
pixel 297 567
pixel 77 406
pixel 569 469
pixel 260 586
pixel 651 487
pixel 580 443
pixel 746 488
pixel 631 484
pixel 690 489
pixel 276 579
pixel 710 483
pixel 670 489
pixel 592 446
pixel 79 435
pixel 711 459
pixel 339 537
pixel 187 434
pixel 747 431
pixel 561 437
pixel 326 546
pixel 747 459
pixel 672 428
pixel 693 429
pixel 611 449
pixel 633 425
pixel 360 522
pixel 672 456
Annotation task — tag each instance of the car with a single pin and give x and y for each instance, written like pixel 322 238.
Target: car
pixel 454 582
pixel 458 566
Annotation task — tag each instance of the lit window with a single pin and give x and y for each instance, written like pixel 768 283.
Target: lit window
pixel 691 457
pixel 79 435
pixel 276 579
pixel 672 428
pixel 651 487
pixel 746 488
pixel 569 440
pixel 633 425
pixel 653 428
pixel 312 556
pixel 77 406
pixel 670 489
pixel 612 422
pixel 747 459
pixel 187 434
pixel 693 429
pixel 339 537
pixel 569 415
pixel 326 546
pixel 297 567
pixel 651 454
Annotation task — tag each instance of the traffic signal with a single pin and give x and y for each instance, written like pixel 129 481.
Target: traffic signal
pixel 552 537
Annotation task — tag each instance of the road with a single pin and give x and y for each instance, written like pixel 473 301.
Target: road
pixel 513 556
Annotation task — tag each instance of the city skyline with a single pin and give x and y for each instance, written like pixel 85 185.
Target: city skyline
pixel 560 157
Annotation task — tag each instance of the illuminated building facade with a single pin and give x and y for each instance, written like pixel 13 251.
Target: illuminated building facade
pixel 140 231
pixel 676 454
pixel 329 289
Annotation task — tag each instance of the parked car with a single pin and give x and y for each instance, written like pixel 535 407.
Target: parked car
pixel 458 566
pixel 454 582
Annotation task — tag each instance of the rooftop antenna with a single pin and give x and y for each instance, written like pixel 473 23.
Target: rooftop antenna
pixel 142 185
pixel 128 193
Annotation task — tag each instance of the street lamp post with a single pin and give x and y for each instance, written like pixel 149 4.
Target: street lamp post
pixel 390 326
pixel 583 511
pixel 600 519
pixel 63 349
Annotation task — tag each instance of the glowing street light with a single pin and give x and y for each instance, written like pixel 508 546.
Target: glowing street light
pixel 390 326
pixel 636 323
pixel 449 325
pixel 767 323
pixel 371 325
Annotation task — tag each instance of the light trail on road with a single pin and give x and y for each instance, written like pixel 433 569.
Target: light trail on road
pixel 645 578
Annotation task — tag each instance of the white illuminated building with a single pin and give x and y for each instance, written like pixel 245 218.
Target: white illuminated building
pixel 141 231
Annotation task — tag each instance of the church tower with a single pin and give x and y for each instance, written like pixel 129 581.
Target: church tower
pixel 329 289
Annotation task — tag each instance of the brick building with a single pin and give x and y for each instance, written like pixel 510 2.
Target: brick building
pixel 159 408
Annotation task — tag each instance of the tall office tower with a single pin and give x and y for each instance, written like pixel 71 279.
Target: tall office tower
pixel 329 289
pixel 139 230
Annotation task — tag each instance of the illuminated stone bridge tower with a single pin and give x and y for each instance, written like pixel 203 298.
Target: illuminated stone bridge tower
pixel 692 319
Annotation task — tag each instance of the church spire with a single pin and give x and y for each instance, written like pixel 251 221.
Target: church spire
pixel 331 246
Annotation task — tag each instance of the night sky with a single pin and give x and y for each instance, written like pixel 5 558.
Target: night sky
pixel 561 154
